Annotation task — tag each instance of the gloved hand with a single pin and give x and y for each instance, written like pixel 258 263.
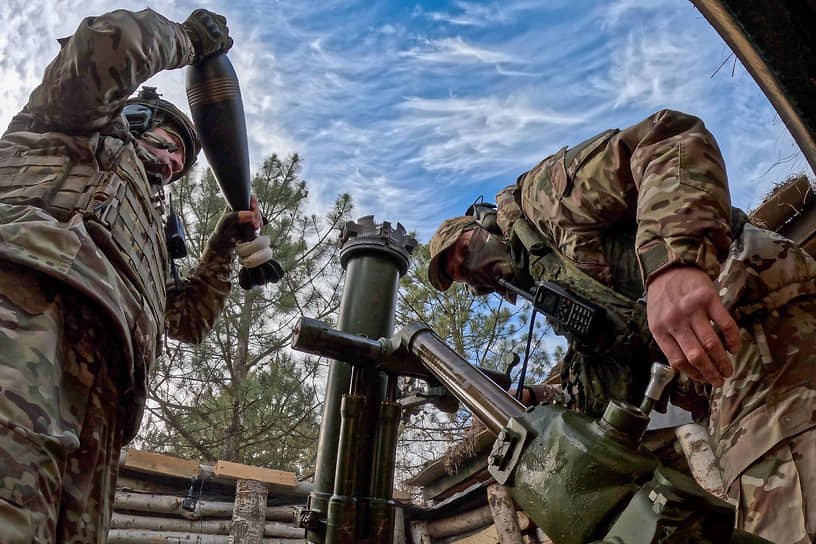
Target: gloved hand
pixel 208 32
pixel 227 232
pixel 256 257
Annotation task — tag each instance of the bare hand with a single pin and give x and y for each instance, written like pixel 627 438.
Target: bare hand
pixel 253 215
pixel 682 305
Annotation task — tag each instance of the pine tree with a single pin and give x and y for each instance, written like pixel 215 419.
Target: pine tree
pixel 243 395
pixel 483 329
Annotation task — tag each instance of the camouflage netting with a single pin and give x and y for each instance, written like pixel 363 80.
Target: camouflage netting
pixel 468 447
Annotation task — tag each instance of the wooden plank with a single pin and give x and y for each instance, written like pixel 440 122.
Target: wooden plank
pixel 787 200
pixel 810 246
pixel 228 469
pixel 161 464
pixel 470 471
pixel 802 228
pixel 144 485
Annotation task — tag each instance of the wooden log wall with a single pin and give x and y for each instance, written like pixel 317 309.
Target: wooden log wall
pixel 166 500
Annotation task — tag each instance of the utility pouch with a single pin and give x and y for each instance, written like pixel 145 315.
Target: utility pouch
pixel 613 360
pixel 174 234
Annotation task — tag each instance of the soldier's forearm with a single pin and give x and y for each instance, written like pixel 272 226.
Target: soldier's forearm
pixel 192 310
pixel 102 63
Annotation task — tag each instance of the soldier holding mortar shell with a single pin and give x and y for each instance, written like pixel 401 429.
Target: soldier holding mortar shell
pixel 84 262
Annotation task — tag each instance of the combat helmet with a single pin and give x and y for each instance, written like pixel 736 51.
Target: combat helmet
pixel 445 237
pixel 148 110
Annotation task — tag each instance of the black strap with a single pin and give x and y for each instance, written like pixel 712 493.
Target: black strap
pixel 523 375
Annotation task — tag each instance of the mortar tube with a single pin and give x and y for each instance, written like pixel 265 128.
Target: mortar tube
pixel 485 399
pixel 342 508
pixel 365 315
pixel 374 257
pixel 382 507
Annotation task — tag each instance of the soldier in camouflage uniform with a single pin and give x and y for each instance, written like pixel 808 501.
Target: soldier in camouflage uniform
pixel 646 211
pixel 84 299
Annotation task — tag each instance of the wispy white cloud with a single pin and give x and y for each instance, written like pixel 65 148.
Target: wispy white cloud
pixel 619 11
pixel 466 135
pixel 455 51
pixel 652 70
pixel 470 14
pixel 485 14
pixel 414 110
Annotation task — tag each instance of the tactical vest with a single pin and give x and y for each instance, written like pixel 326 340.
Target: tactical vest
pixel 100 178
pixel 615 362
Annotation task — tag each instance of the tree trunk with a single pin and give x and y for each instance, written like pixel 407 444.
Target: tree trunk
pixel 702 462
pixel 503 510
pixel 249 514
pixel 461 523
pixel 134 536
pixel 211 527
pixel 399 526
pixel 238 380
pixel 283 530
pixel 420 533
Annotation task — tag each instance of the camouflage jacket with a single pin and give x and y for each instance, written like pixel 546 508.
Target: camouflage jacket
pixel 626 204
pixel 75 202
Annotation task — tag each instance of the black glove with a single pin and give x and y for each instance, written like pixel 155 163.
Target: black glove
pixel 208 32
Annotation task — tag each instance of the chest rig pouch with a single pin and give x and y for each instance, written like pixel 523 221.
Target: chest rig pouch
pixel 615 362
pixel 100 178
pixel 129 211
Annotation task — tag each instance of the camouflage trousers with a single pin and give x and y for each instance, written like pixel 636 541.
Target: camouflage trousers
pixel 60 434
pixel 763 424
pixel 776 494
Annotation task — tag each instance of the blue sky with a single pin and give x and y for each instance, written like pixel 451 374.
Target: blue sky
pixel 417 108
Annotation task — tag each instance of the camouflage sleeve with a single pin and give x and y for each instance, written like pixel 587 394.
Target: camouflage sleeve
pixel 192 310
pixel 508 208
pixel 665 174
pixel 102 63
pixel 683 203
